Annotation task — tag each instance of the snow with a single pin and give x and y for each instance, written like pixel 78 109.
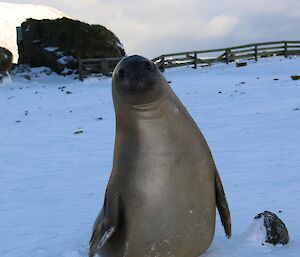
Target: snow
pixel 256 232
pixel 51 48
pixel 120 45
pixel 66 59
pixel 12 16
pixel 53 181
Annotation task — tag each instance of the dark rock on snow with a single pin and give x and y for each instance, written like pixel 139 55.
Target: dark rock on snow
pixel 58 44
pixel 6 61
pixel 241 64
pixel 295 77
pixel 277 232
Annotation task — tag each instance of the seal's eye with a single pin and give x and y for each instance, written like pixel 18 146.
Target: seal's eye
pixel 149 66
pixel 121 73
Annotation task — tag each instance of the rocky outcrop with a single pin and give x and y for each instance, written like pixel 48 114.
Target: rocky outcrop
pixel 6 59
pixel 276 231
pixel 59 43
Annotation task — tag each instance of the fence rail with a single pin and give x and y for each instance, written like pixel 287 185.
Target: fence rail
pixel 196 58
pixel 227 55
pixel 96 65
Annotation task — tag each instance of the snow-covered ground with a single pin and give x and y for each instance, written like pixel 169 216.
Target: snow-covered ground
pixel 52 181
pixel 12 16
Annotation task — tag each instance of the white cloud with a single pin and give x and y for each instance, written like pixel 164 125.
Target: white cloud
pixel 221 26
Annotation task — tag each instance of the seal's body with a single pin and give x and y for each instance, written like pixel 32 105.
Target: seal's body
pixel 164 187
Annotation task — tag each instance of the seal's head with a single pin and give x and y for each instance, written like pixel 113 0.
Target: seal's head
pixel 137 80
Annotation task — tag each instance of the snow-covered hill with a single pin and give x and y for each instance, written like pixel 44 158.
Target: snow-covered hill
pixel 12 15
pixel 52 181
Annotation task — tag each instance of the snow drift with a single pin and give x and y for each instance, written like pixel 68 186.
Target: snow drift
pixel 12 15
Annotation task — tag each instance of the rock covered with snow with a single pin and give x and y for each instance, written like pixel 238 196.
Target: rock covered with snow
pixel 6 58
pixel 276 231
pixel 267 228
pixel 59 43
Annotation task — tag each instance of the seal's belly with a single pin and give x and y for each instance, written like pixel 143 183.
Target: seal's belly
pixel 173 204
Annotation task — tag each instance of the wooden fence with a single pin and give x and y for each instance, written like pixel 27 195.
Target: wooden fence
pixel 96 66
pixel 227 55
pixel 202 58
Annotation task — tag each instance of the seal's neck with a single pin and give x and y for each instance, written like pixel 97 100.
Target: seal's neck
pixel 132 116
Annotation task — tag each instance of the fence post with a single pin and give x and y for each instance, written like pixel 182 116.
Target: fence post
pixel 80 69
pixel 255 53
pixel 227 55
pixel 195 61
pixel 104 68
pixel 285 49
pixel 162 63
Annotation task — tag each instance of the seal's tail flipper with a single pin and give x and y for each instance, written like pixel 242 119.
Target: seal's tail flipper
pixel 106 223
pixel 222 205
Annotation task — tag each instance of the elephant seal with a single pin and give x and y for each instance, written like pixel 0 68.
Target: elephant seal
pixel 164 187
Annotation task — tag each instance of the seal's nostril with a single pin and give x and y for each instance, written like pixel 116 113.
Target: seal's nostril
pixel 121 73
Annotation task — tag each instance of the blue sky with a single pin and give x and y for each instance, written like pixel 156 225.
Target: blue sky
pixel 154 27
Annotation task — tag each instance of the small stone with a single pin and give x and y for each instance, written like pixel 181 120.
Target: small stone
pixel 220 92
pixel 295 77
pixel 18 121
pixel 100 118
pixel 277 232
pixel 241 64
pixel 276 79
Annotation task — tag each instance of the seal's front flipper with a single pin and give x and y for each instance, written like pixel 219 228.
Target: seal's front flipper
pixel 222 205
pixel 106 223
